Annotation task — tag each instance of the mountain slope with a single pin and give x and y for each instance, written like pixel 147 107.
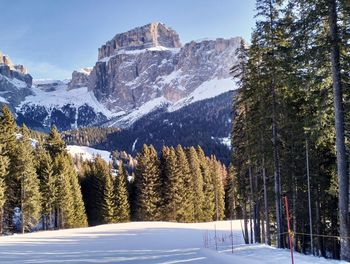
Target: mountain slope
pixel 206 123
pixel 137 72
pixel 146 83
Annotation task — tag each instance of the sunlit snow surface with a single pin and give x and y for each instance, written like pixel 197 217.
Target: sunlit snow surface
pixel 87 153
pixel 140 243
pixel 61 96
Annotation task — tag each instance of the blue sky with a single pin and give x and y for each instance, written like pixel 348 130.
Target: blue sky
pixel 54 37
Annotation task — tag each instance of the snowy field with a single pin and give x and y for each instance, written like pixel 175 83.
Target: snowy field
pixel 87 153
pixel 142 243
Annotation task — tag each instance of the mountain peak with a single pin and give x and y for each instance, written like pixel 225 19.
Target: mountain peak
pixel 151 35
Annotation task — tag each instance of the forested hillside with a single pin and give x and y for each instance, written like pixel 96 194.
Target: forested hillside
pixel 188 126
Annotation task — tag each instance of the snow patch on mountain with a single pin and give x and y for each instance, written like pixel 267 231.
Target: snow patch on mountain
pixel 61 96
pixel 206 90
pixel 137 113
pixel 3 100
pixel 87 153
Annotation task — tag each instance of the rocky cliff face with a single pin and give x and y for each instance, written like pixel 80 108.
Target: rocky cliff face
pixel 150 35
pixel 15 82
pixel 137 72
pixel 149 63
pixel 80 78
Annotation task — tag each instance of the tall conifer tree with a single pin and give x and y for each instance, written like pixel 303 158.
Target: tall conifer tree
pixel 25 174
pixel 122 207
pixel 147 184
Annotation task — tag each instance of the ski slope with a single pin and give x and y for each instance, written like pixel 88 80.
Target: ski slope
pixel 142 243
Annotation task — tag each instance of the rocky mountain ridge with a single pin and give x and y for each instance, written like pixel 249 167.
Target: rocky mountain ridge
pixel 140 72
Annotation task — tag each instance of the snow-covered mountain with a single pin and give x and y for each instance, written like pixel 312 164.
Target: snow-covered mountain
pixel 137 72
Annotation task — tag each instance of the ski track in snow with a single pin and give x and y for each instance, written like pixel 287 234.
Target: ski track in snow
pixel 141 242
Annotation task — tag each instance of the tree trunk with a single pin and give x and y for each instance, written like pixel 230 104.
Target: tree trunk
pixel 295 215
pixel 251 204
pixel 245 220
pixel 1 221
pixel 343 178
pixel 257 231
pixel 22 207
pixel 266 207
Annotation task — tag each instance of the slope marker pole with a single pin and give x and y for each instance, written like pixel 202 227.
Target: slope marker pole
pixel 289 231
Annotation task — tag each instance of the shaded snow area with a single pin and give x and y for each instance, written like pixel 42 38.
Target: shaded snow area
pixel 206 90
pixel 88 153
pixel 61 96
pixel 142 243
pixel 139 112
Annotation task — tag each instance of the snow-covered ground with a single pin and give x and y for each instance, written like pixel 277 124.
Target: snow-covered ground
pixel 206 90
pixel 88 153
pixel 62 96
pixel 142 243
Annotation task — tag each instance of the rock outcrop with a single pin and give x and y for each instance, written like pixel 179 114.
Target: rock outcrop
pixel 80 78
pixel 11 71
pixel 15 82
pixel 151 35
pixel 137 72
pixel 149 62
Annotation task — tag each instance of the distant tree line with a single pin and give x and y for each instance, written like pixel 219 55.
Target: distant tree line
pixel 182 185
pixel 187 126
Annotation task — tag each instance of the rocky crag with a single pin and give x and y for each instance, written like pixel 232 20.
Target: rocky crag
pixel 143 71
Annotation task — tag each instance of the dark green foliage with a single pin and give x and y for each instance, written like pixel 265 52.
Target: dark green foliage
pixel 97 188
pixel 4 162
pixel 8 132
pixel 186 210
pixel 44 170
pixel 64 199
pixel 90 136
pixel 122 207
pixel 25 174
pixel 188 126
pixel 54 143
pixel 42 183
pixel 171 199
pixel 197 184
pixel 208 188
pixel 147 185
pixel 218 177
pixel 283 107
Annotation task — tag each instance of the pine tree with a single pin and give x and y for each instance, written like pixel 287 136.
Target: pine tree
pixel 54 143
pixel 25 174
pixel 44 170
pixel 8 132
pixel 171 199
pixel 98 193
pixel 4 162
pixel 231 195
pixel 147 185
pixel 79 213
pixel 64 204
pixel 185 213
pixel 122 207
pixel 208 188
pixel 197 179
pixel 219 193
pixel 343 177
